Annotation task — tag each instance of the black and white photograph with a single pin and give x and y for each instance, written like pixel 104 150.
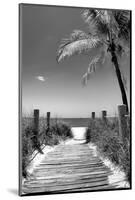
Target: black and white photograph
pixel 75 99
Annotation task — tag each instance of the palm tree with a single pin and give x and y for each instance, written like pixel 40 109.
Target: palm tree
pixel 109 34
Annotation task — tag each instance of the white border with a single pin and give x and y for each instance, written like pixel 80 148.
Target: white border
pixel 9 97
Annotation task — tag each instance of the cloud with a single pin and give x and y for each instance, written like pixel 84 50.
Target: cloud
pixel 41 78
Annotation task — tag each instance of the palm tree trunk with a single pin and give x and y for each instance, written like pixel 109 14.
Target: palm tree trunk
pixel 118 73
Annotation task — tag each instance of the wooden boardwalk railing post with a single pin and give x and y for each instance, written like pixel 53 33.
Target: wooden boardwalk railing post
pixel 93 115
pixel 35 138
pixel 122 111
pixel 48 120
pixel 36 120
pixel 104 115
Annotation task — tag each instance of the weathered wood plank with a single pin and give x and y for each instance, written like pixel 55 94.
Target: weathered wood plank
pixel 69 168
pixel 48 181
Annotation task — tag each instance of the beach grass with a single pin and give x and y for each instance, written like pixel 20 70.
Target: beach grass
pixel 31 140
pixel 105 135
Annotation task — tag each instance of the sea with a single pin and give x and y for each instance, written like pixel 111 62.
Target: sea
pixel 73 122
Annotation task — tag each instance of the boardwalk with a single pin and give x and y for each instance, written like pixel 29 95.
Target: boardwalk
pixel 70 167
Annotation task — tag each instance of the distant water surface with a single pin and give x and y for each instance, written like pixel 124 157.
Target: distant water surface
pixel 73 122
pixel 82 122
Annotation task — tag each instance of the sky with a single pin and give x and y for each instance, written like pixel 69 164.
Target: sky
pixel 56 87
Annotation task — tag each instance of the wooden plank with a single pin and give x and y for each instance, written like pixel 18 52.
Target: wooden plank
pixel 69 168
pixel 48 181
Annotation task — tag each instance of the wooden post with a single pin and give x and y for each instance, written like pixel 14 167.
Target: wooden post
pixel 104 114
pixel 93 115
pixel 122 111
pixel 48 120
pixel 36 141
pixel 36 120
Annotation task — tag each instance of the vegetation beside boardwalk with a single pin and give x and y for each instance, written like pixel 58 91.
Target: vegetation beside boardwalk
pixel 31 141
pixel 105 135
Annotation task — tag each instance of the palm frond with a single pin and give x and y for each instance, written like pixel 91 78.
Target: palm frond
pixel 105 22
pixel 124 22
pixel 122 49
pixel 119 50
pixel 99 19
pixel 99 59
pixel 79 42
pixel 95 16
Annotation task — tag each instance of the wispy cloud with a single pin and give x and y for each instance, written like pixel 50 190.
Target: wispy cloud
pixel 41 78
